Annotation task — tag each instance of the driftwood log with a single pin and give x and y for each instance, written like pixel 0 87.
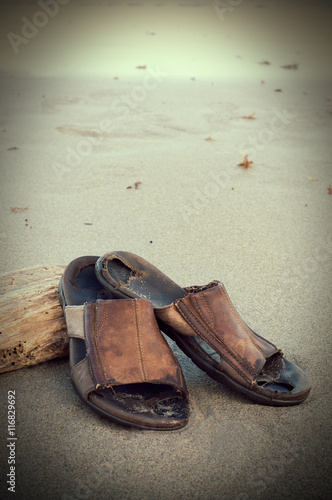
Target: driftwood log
pixel 32 325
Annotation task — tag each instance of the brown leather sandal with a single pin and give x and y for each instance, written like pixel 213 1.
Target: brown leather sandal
pixel 121 366
pixel 205 325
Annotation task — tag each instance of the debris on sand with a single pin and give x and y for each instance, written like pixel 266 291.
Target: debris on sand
pixel 245 163
pixel 136 185
pixel 290 66
pixel 19 209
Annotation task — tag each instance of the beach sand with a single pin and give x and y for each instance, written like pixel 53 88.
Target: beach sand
pixel 172 96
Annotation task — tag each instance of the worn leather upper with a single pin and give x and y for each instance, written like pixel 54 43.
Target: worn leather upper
pixel 124 346
pixel 208 312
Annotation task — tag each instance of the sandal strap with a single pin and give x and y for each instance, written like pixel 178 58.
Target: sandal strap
pixel 208 312
pixel 124 345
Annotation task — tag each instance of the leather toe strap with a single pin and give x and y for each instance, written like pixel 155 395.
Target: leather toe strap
pixel 209 313
pixel 124 346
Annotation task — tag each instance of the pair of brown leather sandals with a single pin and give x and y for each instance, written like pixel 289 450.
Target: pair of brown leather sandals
pixel 121 365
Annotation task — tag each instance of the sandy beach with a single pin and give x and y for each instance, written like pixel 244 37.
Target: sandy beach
pixel 122 128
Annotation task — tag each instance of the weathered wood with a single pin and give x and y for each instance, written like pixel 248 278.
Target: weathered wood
pixel 32 325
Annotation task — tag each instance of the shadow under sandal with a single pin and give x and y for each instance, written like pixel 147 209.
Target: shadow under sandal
pixel 121 366
pixel 205 325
